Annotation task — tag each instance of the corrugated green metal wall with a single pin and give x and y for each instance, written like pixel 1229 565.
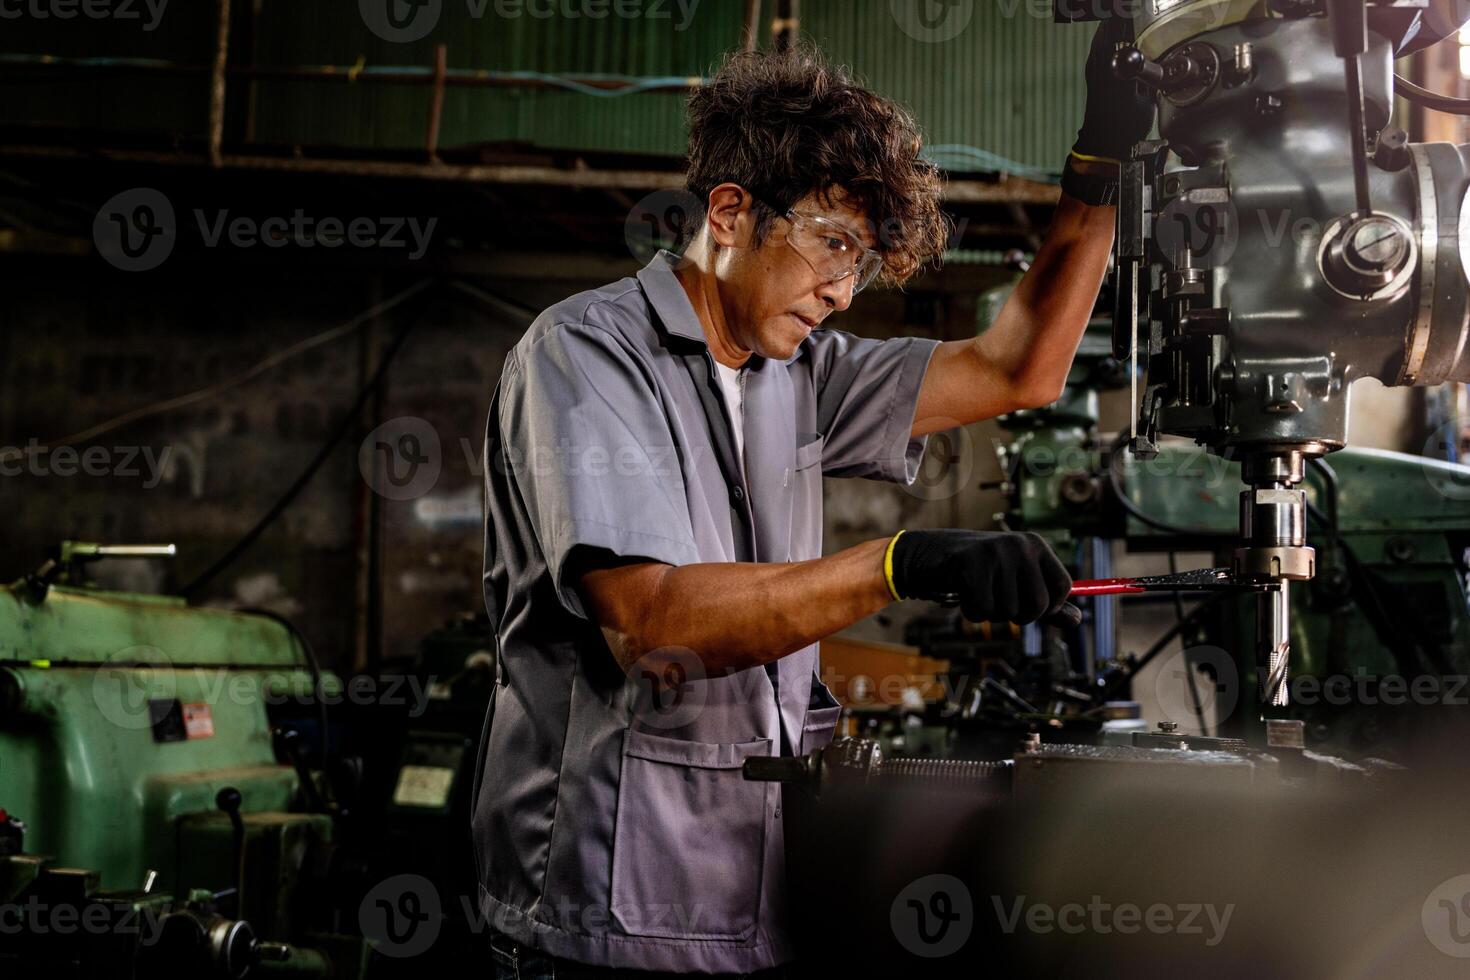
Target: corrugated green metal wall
pixel 1009 82
pixel 184 33
pixel 395 116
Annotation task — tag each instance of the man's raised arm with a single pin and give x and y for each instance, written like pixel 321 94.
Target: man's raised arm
pixel 1023 359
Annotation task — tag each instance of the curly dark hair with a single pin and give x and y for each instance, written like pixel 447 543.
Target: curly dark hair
pixel 786 124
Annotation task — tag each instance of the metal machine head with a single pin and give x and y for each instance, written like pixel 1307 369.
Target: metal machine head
pixel 1278 243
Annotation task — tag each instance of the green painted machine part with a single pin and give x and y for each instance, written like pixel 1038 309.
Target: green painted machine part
pixel 1053 461
pixel 122 718
pixel 1405 534
pixel 1389 596
pixel 82 675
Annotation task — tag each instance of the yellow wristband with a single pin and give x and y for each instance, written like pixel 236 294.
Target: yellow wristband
pixel 888 566
pixel 1089 158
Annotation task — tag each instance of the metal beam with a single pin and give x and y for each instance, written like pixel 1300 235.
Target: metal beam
pixel 1007 190
pixel 1013 189
pixel 599 267
pixel 217 81
pixel 749 35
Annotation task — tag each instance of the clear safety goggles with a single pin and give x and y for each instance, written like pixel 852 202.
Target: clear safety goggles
pixel 831 250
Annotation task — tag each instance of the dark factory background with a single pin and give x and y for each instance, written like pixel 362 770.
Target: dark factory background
pixel 528 192
pixel 506 191
pixel 262 261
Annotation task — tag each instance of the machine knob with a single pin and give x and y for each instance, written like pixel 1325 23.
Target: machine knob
pixel 1392 152
pixel 229 800
pixel 193 942
pixel 1367 256
pixel 1192 71
pixel 1129 62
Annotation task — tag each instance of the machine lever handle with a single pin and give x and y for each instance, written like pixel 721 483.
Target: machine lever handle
pixel 1129 62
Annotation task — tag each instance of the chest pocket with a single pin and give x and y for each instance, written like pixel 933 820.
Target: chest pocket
pixel 806 497
pixel 808 454
pixel 823 712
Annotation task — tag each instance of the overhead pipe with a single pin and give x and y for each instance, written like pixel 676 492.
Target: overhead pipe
pixel 601 84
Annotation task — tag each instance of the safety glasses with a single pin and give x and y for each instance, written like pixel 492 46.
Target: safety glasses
pixel 831 250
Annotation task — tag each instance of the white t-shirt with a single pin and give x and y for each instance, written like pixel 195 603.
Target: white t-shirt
pixel 732 386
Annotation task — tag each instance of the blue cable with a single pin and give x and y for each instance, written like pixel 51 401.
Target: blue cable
pixel 632 84
pixel 948 156
pixel 959 156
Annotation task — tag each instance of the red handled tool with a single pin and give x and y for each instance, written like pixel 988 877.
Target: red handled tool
pixel 1195 580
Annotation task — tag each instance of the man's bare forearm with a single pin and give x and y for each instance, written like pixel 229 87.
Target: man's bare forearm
pixel 1023 359
pixel 734 615
pixel 1036 333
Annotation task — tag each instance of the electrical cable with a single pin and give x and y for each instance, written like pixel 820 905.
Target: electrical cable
pixel 308 651
pixel 1329 480
pixel 1429 35
pixel 1115 482
pixel 962 156
pixel 1401 643
pixel 581 83
pixel 1429 100
pixel 274 360
pixel 1195 615
pixel 312 664
pixel 322 454
pixel 1195 699
pixel 502 303
pixel 280 357
pixel 343 425
pixel 633 84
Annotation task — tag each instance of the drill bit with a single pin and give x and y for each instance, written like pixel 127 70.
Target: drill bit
pixel 1273 646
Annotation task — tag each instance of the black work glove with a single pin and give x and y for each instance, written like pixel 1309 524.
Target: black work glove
pixel 997 577
pixel 1119 114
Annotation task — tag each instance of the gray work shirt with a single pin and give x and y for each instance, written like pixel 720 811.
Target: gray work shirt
pixel 612 825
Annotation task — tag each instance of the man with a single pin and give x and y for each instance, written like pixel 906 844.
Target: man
pixel 655 455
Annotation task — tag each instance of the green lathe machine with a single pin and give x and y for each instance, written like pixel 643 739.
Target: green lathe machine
pixel 140 786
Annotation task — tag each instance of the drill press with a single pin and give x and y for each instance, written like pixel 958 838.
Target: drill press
pixel 1279 242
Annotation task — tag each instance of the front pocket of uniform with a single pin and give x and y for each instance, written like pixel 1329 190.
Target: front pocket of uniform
pixel 689 839
pixel 810 452
pixel 822 714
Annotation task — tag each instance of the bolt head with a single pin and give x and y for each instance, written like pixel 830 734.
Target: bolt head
pixel 1376 243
